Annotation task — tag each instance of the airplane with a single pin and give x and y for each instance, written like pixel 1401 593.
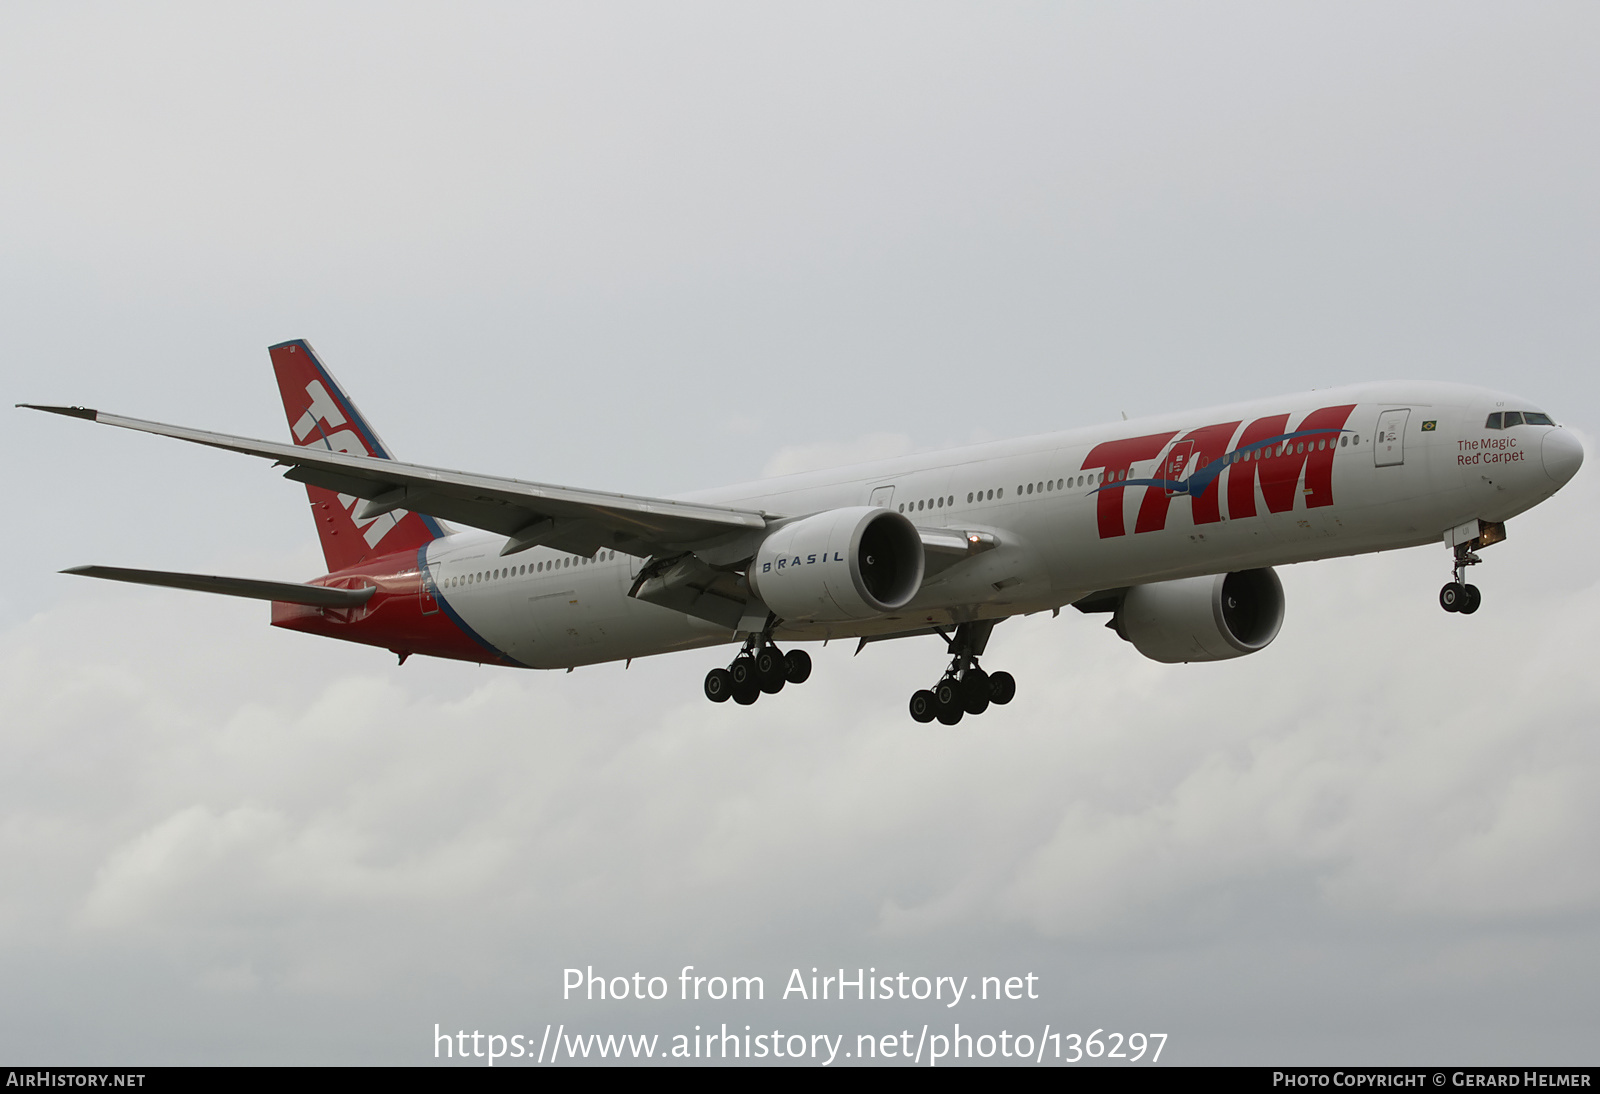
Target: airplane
pixel 1171 525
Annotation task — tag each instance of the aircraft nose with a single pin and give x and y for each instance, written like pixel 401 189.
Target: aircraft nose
pixel 1563 455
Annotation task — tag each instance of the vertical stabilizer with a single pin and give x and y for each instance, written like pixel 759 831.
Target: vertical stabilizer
pixel 321 414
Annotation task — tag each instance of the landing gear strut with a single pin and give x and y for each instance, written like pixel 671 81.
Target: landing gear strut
pixel 964 688
pixel 760 668
pixel 1457 595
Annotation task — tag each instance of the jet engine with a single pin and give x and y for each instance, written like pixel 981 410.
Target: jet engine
pixel 1202 618
pixel 843 564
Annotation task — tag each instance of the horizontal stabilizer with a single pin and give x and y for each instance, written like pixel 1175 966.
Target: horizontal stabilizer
pixel 287 592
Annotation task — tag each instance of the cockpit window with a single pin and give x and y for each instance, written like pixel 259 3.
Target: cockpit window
pixel 1509 418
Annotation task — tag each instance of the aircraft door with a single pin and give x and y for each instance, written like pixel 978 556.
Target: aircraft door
pixel 1388 444
pixel 882 495
pixel 426 590
pixel 1172 468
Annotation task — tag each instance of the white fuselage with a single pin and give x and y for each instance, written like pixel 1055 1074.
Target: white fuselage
pixel 1058 536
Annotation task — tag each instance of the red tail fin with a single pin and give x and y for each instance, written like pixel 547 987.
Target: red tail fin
pixel 321 414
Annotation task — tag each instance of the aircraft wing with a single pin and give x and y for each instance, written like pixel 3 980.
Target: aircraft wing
pixel 531 514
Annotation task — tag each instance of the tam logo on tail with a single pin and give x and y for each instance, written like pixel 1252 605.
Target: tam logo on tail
pixel 324 411
pixel 321 415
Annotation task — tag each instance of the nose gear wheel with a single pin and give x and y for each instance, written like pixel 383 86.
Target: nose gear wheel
pixel 1457 595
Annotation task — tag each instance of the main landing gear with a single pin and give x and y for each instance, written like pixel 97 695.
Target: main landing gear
pixel 760 667
pixel 964 688
pixel 1457 595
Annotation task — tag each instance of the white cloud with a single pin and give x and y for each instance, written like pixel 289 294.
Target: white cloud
pixel 279 817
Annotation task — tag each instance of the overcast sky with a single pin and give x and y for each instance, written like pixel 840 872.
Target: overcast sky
pixel 660 247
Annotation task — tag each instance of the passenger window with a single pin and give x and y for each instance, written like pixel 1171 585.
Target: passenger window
pixel 1513 417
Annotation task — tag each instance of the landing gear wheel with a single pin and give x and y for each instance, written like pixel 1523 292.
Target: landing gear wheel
pixel 742 673
pixel 719 685
pixel 1453 596
pixel 947 701
pixel 975 691
pixel 1473 598
pixel 1002 688
pixel 768 664
pixel 797 666
pixel 746 693
pixel 922 706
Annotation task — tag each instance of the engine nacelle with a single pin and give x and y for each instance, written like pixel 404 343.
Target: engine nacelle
pixel 843 564
pixel 1203 618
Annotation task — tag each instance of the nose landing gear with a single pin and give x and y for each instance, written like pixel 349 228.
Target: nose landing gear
pixel 1457 595
pixel 965 688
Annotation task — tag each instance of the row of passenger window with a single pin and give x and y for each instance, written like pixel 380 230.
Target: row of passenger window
pixel 1505 419
pixel 565 562
pixel 1099 478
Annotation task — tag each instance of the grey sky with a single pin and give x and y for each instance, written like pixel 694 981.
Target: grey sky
pixel 656 248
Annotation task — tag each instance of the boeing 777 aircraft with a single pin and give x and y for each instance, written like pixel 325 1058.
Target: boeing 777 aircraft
pixel 1171 525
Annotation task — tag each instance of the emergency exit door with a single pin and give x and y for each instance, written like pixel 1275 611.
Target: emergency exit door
pixel 1388 445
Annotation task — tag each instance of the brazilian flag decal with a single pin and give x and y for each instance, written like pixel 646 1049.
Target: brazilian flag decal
pixel 1429 426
